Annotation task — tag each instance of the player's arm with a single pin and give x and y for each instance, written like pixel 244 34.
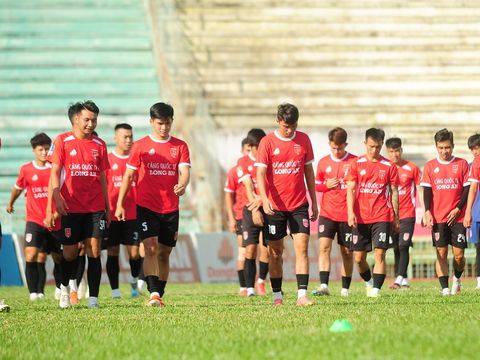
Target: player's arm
pixel 456 211
pixel 472 194
pixel 229 202
pixel 395 205
pixel 427 203
pixel 103 182
pixel 352 219
pixel 310 180
pixel 122 194
pixel 14 194
pixel 183 180
pixel 262 189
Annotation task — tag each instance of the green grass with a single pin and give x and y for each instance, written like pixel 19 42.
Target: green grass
pixel 211 322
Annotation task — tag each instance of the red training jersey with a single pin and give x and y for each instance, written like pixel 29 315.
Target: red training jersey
pixel 118 165
pixel 157 162
pixel 246 168
pixel 372 178
pixel 235 186
pixel 447 180
pixel 82 162
pixel 285 160
pixel 409 178
pixel 474 175
pixel 334 201
pixel 34 180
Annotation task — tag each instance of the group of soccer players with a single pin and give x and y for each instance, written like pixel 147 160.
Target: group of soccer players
pixel 368 203
pixel 80 196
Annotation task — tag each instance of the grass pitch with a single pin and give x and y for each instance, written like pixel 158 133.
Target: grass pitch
pixel 212 322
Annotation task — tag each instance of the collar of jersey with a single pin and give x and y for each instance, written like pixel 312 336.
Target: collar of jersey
pixel 119 156
pixel 251 157
pixel 284 138
pixel 338 160
pixel 160 141
pixel 47 166
pixel 445 162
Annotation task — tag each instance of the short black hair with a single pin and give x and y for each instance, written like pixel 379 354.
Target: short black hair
pixel 254 136
pixel 244 142
pixel 161 110
pixel 338 136
pixel 443 135
pixel 123 126
pixel 375 134
pixel 77 108
pixel 474 141
pixel 393 143
pixel 288 113
pixel 40 139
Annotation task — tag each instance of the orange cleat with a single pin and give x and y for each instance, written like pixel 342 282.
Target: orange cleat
pixel 242 292
pixel 260 288
pixel 155 301
pixel 73 298
pixel 304 301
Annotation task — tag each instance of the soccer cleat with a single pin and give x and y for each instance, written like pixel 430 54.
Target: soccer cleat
pixel 82 290
pixel 477 287
pixel 277 302
pixel 73 298
pixel 456 287
pixel 4 307
pixel 373 293
pixel 344 292
pixel 155 301
pixel 321 291
pixel 445 292
pixel 395 286
pixel 304 301
pixel 93 303
pixel 134 293
pixel 260 288
pixel 56 295
pixel 116 294
pixel 406 287
pixel 33 296
pixel 242 292
pixel 40 296
pixel 64 301
pixel 369 289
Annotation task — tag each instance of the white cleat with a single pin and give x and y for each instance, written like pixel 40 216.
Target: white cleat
pixel 446 292
pixel 40 296
pixel 369 289
pixel 456 287
pixel 4 307
pixel 373 293
pixel 93 303
pixel 344 292
pixel 64 301
pixel 33 296
pixel 57 294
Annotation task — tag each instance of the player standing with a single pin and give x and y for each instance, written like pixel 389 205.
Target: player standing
pixel 284 162
pixel 370 181
pixel 445 193
pixel 333 219
pixel 163 165
pixel 33 177
pixel 122 232
pixel 409 179
pixel 78 186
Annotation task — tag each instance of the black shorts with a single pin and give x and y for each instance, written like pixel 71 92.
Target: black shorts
pixel 444 235
pixel 364 235
pixel 163 226
pixel 276 225
pixel 39 237
pixel 251 232
pixel 122 232
pixel 77 227
pixel 238 227
pixel 328 228
pixel 403 238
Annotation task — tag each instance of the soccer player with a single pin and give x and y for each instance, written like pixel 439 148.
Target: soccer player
pixel 122 232
pixel 3 307
pixel 409 179
pixel 333 220
pixel 80 159
pixel 445 192
pixel 370 181
pixel 33 177
pixel 252 221
pixel 163 165
pixel 472 211
pixel 284 162
pixel 235 200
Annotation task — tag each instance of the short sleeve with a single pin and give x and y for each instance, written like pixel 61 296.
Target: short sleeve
pixel 426 180
pixel 21 179
pixel 56 154
pixel 184 156
pixel 134 161
pixel 263 155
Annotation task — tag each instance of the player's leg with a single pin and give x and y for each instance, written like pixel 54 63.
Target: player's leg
pixel 440 239
pixel 361 244
pixel 477 264
pixel 31 270
pixel 135 263
pixel 380 236
pixel 78 287
pixel 113 269
pixel 42 274
pixel 407 227
pixel 396 256
pixel 57 272
pixel 250 242
pixel 262 266
pixel 240 259
pixel 141 275
pixel 459 243
pixel 326 232
pixel 347 269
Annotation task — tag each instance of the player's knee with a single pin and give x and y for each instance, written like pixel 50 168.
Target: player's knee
pixel 241 254
pixel 459 258
pixel 113 251
pixel 163 256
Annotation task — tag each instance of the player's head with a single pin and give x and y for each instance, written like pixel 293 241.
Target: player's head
pixel 444 144
pixel 161 119
pixel 254 136
pixel 245 147
pixel 83 116
pixel 40 144
pixel 374 141
pixel 474 144
pixel 123 137
pixel 287 119
pixel 337 139
pixel 394 149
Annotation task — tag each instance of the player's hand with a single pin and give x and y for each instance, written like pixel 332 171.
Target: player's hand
pixel 120 213
pixel 10 209
pixel 332 183
pixel 255 204
pixel 453 216
pixel 49 220
pixel 179 189
pixel 314 212
pixel 467 220
pixel 267 207
pixel 60 203
pixel 257 217
pixel 232 225
pixel 427 220
pixel 352 220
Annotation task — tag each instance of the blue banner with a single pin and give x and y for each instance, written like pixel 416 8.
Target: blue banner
pixel 9 263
